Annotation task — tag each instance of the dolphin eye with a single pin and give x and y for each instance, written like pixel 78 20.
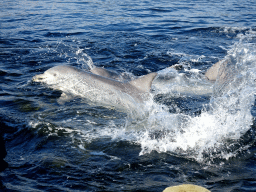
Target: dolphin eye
pixel 54 74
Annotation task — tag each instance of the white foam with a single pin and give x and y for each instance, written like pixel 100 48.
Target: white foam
pixel 172 82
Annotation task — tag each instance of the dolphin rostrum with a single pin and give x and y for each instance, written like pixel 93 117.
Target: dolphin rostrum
pixel 96 88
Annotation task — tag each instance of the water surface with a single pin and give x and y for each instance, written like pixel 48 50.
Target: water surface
pixel 207 139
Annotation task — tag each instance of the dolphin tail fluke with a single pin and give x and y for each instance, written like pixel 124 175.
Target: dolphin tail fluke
pixel 144 83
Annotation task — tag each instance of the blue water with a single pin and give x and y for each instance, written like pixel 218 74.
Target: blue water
pixel 207 139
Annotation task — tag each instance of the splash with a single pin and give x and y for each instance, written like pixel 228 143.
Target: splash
pixel 213 134
pixel 191 82
pixel 222 122
pixel 84 59
pixel 74 55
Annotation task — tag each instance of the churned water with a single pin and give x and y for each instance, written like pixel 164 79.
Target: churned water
pixel 190 131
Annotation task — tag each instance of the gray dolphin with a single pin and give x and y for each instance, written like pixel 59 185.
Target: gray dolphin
pixel 179 84
pixel 211 74
pixel 96 88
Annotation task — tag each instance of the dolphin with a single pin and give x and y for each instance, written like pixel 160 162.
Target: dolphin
pixel 169 80
pixel 211 74
pixel 98 89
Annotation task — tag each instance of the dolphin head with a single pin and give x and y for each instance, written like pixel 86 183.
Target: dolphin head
pixel 49 77
pixel 54 75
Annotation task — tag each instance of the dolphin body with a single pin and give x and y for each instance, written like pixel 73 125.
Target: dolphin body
pixel 98 89
pixel 169 80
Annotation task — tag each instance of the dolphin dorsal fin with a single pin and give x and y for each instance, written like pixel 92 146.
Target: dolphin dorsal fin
pixel 212 73
pixel 144 83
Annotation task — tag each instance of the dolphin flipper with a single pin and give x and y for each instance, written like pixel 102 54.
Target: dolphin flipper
pixel 64 98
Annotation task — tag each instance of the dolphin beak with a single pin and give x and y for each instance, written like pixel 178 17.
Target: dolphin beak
pixel 38 78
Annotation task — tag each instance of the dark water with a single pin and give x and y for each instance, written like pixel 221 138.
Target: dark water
pixel 203 139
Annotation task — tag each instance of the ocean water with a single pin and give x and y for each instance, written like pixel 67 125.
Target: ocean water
pixel 192 130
